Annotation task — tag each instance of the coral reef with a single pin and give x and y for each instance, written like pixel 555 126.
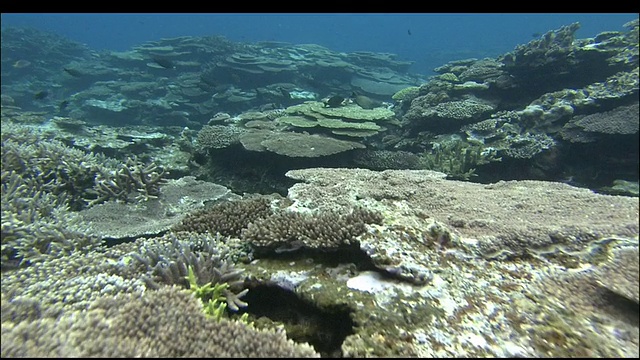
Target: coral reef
pixel 541 53
pixel 178 262
pixel 42 181
pixel 211 75
pixel 622 120
pixel 535 103
pixel 60 168
pixel 387 159
pixel 128 220
pixel 407 94
pixel 355 262
pixel 621 272
pixel 433 241
pixel 131 182
pixel 290 231
pixel 456 158
pixel 227 218
pixel 37 225
pixel 295 144
pixel 139 325
pixel 504 230
pixel 350 120
pixel 71 282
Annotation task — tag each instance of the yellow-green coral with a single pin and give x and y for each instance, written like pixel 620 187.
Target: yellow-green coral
pixel 406 94
pixel 339 124
pixel 212 296
pixel 298 121
pixel 450 77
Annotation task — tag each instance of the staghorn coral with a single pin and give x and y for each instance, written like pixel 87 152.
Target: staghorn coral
pixel 130 178
pixel 85 178
pixel 36 224
pixel 59 168
pixel 169 262
pixel 290 231
pixel 163 323
pixel 227 218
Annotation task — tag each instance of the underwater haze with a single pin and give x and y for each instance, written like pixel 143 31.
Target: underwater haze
pixel 429 40
pixel 320 185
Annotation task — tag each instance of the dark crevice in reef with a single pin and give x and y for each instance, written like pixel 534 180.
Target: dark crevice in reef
pixel 620 307
pixel 333 257
pixel 109 242
pixel 351 254
pixel 324 328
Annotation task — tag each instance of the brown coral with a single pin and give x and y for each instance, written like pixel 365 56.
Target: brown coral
pixel 289 231
pixel 163 323
pixel 227 218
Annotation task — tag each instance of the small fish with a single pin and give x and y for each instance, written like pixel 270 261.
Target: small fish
pixel 41 95
pixel 208 81
pixel 334 101
pixel 73 72
pixel 409 31
pixel 365 102
pixel 536 35
pixel 284 93
pixel 164 62
pixel 63 105
pixel 20 64
pixel 291 247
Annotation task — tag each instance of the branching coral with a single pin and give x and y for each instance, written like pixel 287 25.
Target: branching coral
pixel 171 263
pixel 227 218
pixel 168 322
pixel 131 178
pixel 37 224
pixel 43 181
pixel 59 168
pixel 212 296
pixel 290 231
pixel 82 177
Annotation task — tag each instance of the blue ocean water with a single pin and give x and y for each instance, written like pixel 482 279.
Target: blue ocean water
pixel 429 40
